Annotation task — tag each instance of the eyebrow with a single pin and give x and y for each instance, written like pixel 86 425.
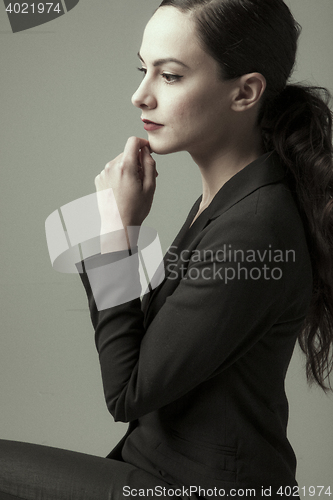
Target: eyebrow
pixel 159 62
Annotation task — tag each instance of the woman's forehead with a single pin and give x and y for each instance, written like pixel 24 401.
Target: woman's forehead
pixel 171 33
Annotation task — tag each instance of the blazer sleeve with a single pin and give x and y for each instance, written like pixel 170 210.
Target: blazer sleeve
pixel 218 310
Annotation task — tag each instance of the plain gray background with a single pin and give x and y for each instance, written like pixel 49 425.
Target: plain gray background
pixel 65 112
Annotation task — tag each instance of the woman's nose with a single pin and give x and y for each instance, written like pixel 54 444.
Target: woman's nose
pixel 144 97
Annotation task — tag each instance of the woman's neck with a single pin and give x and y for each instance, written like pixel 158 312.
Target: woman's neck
pixel 218 167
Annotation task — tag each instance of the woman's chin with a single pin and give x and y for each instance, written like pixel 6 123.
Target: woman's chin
pixel 160 148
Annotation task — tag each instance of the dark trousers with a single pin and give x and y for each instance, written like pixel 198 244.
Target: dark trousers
pixel 35 472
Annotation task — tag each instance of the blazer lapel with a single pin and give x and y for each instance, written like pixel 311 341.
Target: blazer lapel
pixel 170 252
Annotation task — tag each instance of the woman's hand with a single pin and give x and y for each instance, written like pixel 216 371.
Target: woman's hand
pixel 132 177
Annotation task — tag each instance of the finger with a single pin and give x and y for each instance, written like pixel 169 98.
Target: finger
pixel 149 170
pixel 116 160
pixel 139 167
pixel 131 151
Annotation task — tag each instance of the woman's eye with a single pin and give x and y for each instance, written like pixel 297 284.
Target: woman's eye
pixel 168 77
pixel 171 78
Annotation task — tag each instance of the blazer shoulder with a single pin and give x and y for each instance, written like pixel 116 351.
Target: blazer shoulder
pixel 271 208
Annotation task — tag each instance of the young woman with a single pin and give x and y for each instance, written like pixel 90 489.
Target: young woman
pixel 198 368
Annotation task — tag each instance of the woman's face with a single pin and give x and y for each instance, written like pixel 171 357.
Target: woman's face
pixel 181 89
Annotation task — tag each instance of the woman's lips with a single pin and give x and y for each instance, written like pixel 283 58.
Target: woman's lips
pixel 149 126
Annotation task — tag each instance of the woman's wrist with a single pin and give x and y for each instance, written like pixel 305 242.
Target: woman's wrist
pixel 121 239
pixel 113 241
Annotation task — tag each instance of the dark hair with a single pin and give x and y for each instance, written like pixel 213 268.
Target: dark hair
pixel 246 36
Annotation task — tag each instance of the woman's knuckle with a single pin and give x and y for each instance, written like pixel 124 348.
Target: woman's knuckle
pixel 122 165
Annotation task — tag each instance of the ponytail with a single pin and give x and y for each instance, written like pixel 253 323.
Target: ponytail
pixel 298 125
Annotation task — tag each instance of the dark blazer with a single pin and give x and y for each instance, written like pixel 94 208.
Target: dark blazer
pixel 199 368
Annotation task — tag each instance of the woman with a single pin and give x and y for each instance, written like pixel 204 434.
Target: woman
pixel 198 369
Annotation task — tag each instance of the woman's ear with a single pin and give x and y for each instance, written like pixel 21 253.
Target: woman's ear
pixel 248 91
